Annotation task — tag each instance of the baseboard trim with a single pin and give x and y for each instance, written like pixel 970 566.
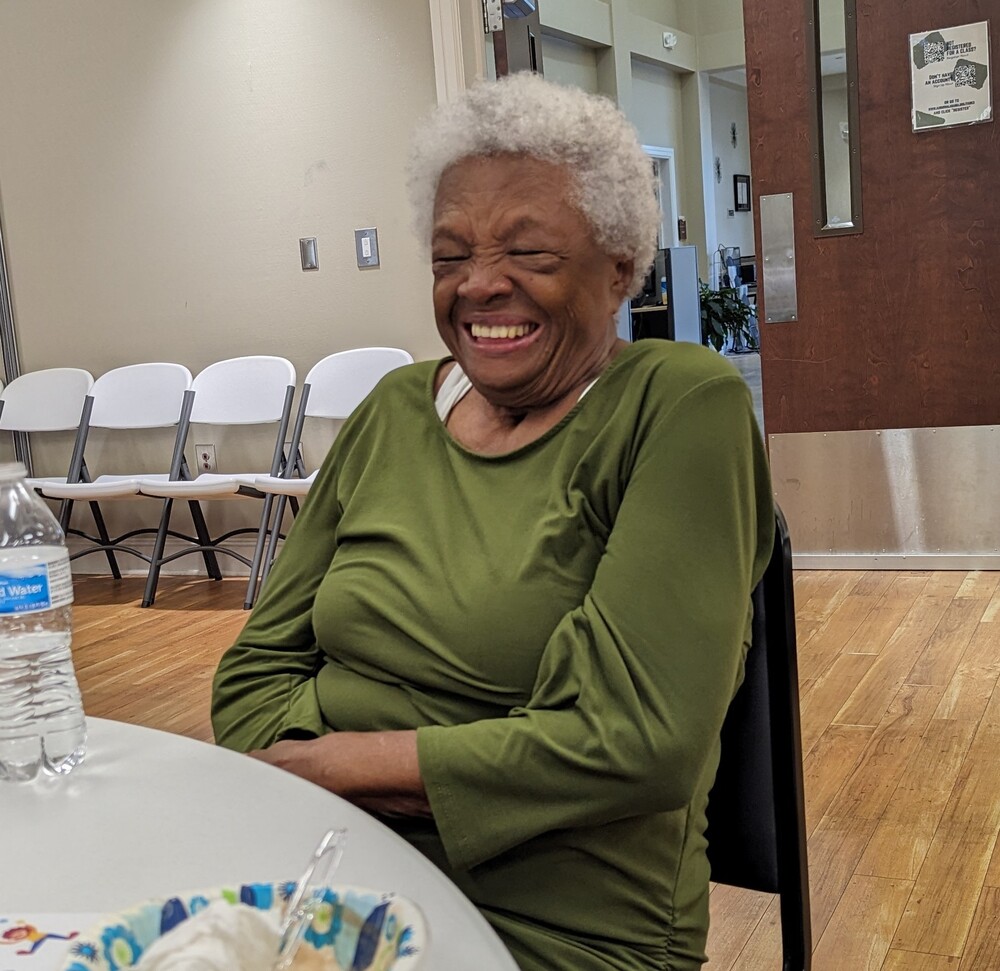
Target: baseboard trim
pixel 896 561
pixel 96 564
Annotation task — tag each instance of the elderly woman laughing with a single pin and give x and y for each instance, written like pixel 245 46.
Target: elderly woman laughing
pixel 514 609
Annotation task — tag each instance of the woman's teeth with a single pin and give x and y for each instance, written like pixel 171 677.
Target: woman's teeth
pixel 501 333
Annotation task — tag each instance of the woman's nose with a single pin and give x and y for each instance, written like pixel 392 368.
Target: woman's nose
pixel 484 280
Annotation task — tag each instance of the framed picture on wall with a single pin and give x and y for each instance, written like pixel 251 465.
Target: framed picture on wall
pixel 741 192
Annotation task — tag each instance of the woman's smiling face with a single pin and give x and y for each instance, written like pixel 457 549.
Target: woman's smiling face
pixel 524 297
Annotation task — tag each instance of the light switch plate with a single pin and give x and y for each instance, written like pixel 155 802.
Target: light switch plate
pixel 308 253
pixel 366 246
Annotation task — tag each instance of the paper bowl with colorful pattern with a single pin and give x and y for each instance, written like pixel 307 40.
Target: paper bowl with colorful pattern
pixel 361 929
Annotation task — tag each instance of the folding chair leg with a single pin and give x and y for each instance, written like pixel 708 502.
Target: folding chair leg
pixel 102 531
pixel 153 577
pixel 272 543
pixel 258 552
pixel 205 538
pixel 65 514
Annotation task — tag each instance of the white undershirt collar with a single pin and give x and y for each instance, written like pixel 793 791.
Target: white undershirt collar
pixel 457 385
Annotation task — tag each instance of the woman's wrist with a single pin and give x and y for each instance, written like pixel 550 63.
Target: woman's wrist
pixel 367 767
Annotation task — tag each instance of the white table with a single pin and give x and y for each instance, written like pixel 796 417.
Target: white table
pixel 151 814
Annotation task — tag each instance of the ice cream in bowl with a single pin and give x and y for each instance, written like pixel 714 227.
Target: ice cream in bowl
pixel 238 928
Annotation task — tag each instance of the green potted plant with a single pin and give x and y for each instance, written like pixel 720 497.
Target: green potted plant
pixel 725 316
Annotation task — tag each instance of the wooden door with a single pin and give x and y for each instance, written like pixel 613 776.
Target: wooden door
pixel 898 327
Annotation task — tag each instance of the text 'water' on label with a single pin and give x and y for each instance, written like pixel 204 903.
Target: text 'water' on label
pixel 36 586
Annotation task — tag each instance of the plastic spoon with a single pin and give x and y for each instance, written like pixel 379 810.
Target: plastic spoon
pixel 308 893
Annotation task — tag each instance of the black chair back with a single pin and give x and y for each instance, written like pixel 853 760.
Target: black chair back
pixel 756 814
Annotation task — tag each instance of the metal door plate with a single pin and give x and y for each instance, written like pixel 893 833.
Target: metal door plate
pixel 777 234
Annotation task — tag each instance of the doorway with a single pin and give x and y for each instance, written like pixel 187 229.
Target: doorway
pixel 665 186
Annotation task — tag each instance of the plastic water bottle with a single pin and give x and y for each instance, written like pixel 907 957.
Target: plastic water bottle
pixel 41 717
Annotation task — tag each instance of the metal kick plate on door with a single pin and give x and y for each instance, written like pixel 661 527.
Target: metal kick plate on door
pixel 777 235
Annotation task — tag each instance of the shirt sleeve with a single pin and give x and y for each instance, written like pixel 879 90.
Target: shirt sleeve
pixel 265 686
pixel 634 684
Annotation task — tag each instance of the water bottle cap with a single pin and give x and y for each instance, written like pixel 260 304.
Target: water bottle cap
pixel 12 470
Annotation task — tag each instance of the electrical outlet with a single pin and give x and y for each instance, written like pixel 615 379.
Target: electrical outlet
pixel 206 458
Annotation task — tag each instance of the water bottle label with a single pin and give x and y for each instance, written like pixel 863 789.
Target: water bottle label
pixel 36 586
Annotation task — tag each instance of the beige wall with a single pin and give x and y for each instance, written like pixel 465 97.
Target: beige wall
pixel 720 33
pixel 587 19
pixel 160 161
pixel 656 104
pixel 729 104
pixel 158 164
pixel 662 11
pixel 570 63
pixel 718 16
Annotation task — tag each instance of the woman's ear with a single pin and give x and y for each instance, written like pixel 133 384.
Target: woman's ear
pixel 624 270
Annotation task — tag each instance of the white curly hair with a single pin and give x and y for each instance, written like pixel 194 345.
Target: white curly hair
pixel 522 114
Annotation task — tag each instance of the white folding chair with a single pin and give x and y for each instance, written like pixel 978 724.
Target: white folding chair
pixel 50 400
pixel 333 388
pixel 240 391
pixel 134 397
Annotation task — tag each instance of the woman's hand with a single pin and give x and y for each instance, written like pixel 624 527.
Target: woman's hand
pixel 378 771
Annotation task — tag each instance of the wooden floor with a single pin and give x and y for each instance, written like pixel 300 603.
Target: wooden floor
pixel 901 742
pixel 153 667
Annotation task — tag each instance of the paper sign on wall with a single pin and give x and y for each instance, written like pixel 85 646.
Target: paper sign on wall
pixel 950 76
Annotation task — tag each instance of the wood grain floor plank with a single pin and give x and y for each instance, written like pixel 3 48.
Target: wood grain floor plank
pixel 861 929
pixel 978 585
pixel 946 893
pixel 827 766
pixel 875 690
pixel 807 583
pixel 812 614
pixel 974 804
pixel 911 961
pixel 992 613
pixel 991 716
pixel 834 850
pixel 907 827
pixel 992 878
pixel 897 850
pixel 971 686
pixel 940 658
pixel 873 583
pixel 939 760
pixel 886 616
pixel 763 947
pixel 869 788
pixel 944 583
pixel 982 949
pixel 831 639
pixel 734 916
pixel 820 704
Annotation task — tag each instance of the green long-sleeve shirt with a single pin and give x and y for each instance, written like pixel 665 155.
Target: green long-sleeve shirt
pixel 564 625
